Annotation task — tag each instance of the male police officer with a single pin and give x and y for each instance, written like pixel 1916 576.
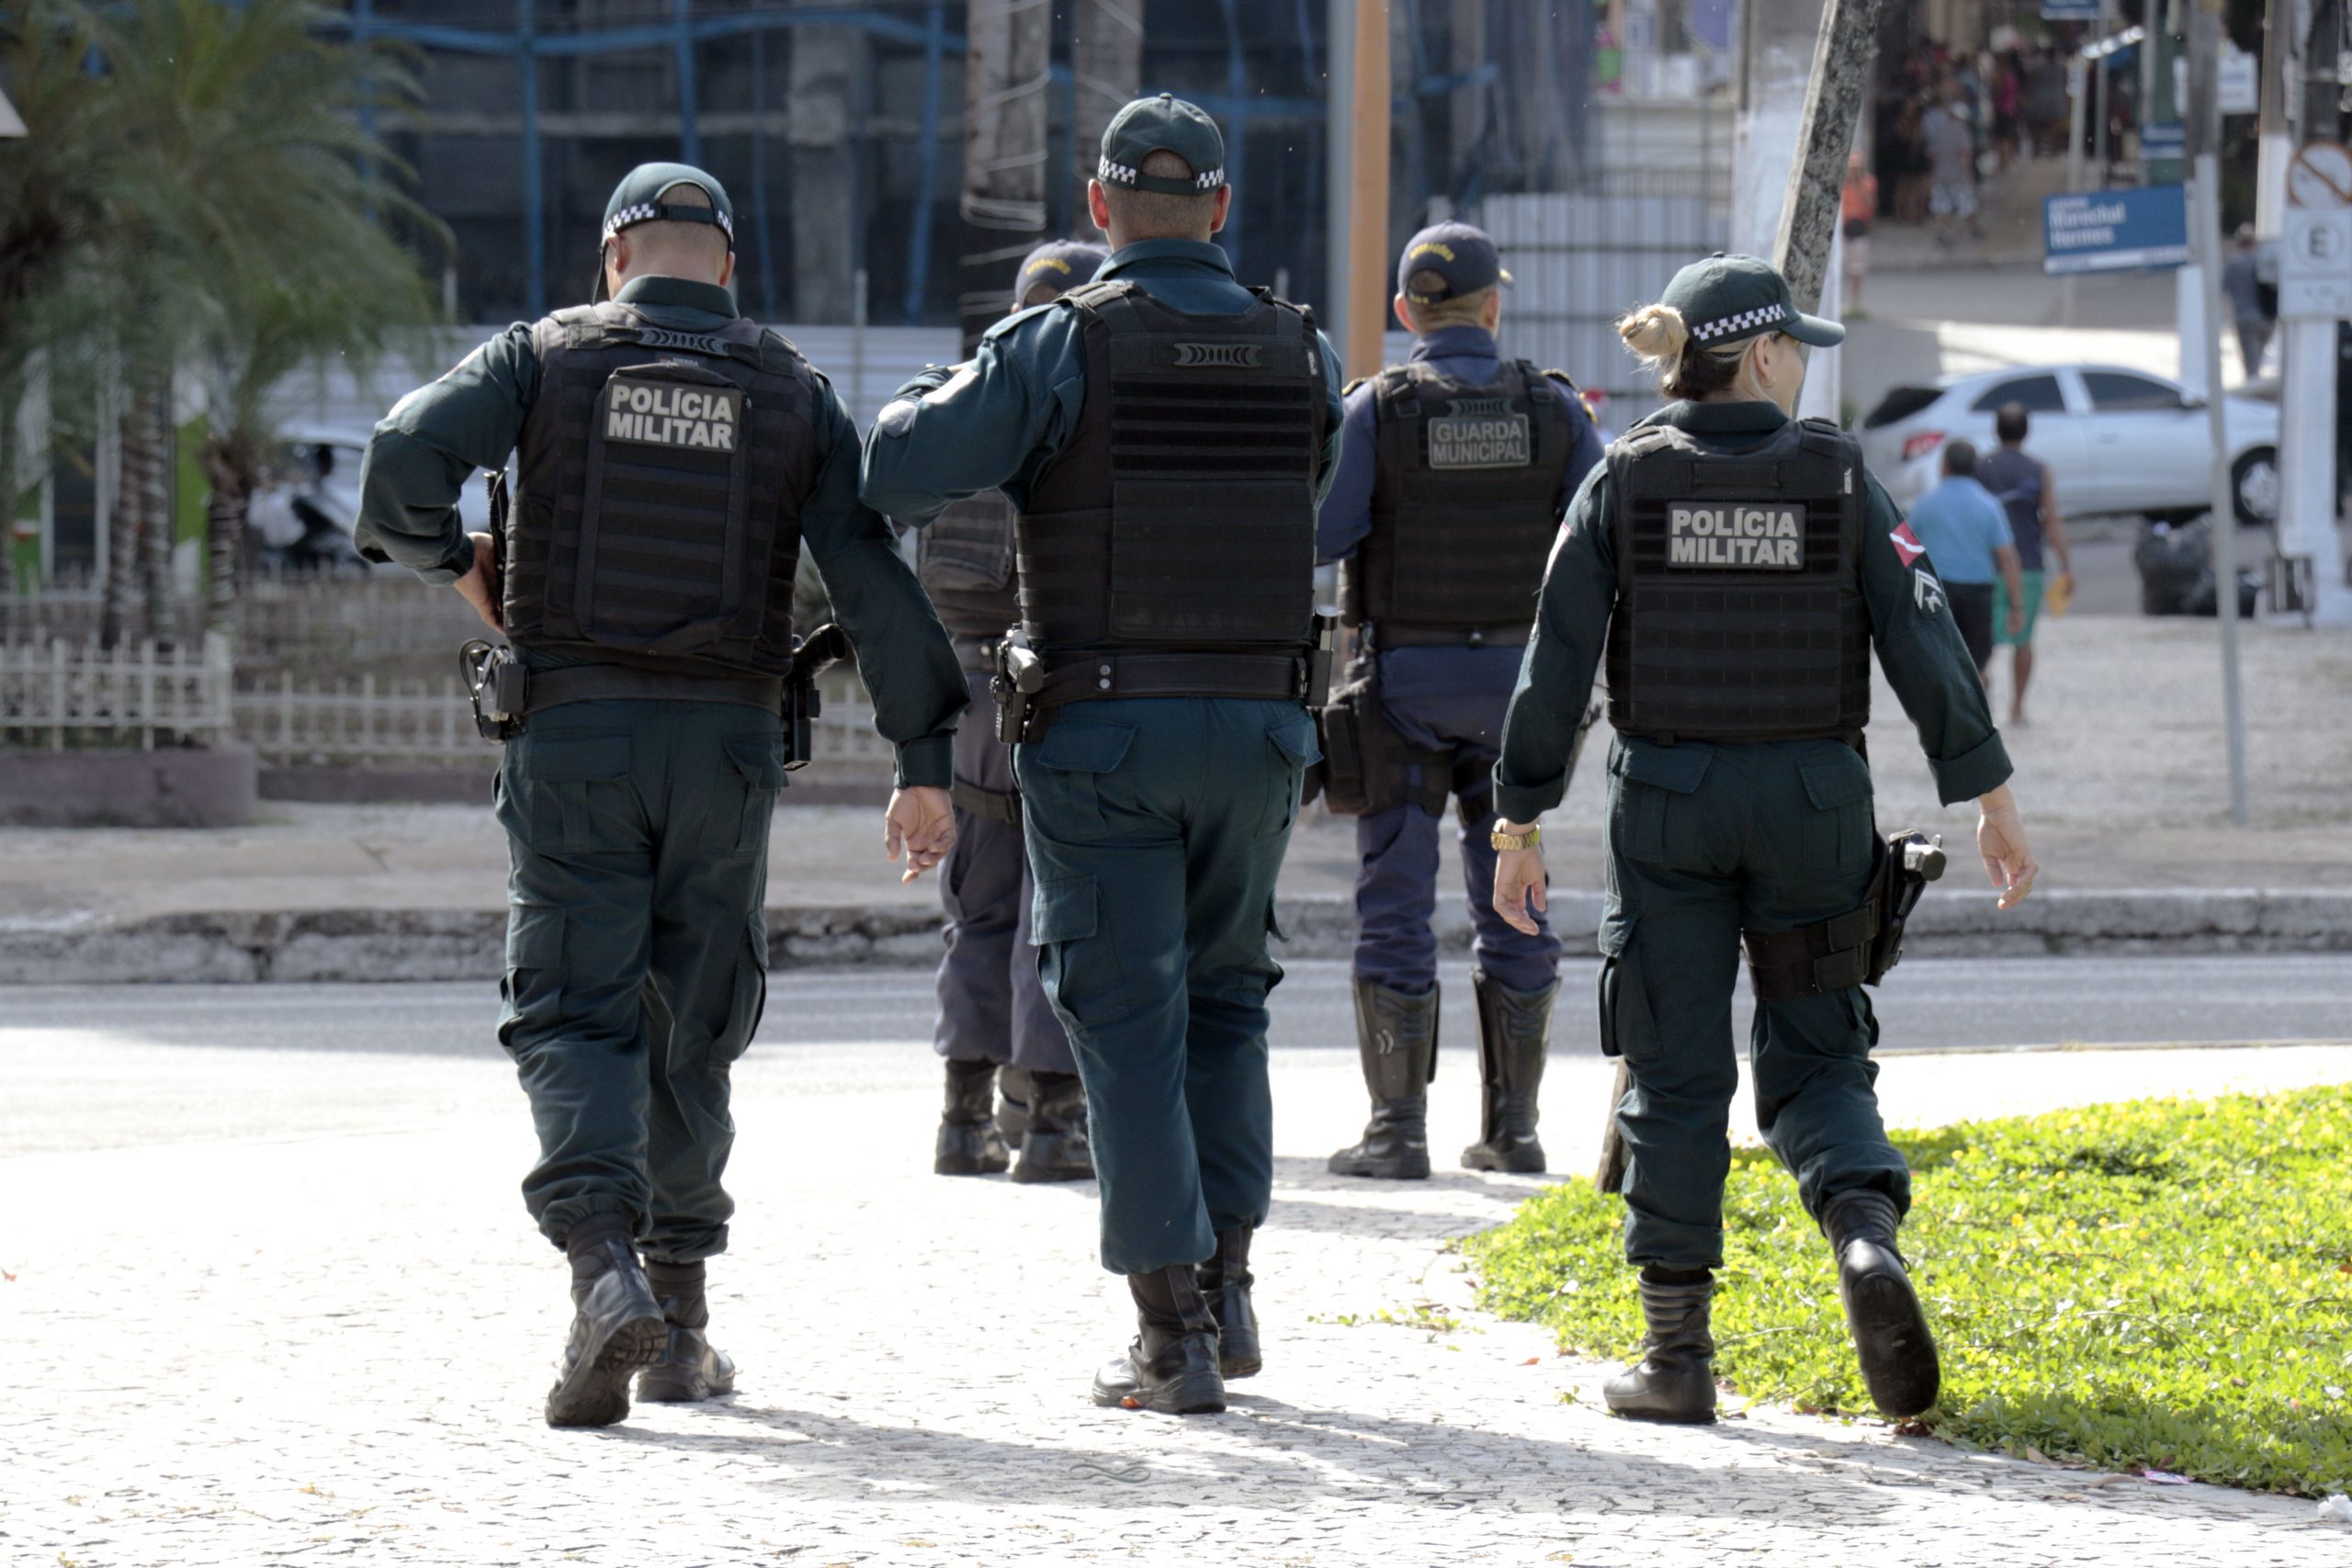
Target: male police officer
pixel 1164 434
pixel 673 457
pixel 995 1026
pixel 1457 467
pixel 1743 565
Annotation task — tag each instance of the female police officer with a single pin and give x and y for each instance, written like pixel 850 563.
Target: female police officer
pixel 1742 564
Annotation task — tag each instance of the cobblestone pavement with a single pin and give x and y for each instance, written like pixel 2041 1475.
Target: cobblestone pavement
pixel 329 1343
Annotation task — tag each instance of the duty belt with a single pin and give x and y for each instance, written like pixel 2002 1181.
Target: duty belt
pixel 602 682
pixel 1089 677
pixel 995 805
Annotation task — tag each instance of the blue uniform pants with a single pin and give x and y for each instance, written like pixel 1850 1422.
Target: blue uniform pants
pixel 1705 841
pixel 1157 826
pixel 1396 853
pixel 992 1006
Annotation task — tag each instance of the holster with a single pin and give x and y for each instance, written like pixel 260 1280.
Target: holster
pixel 498 685
pixel 1016 674
pixel 1856 948
pixel 1367 766
pixel 811 657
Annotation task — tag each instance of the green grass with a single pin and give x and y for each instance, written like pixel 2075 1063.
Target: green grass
pixel 2163 1283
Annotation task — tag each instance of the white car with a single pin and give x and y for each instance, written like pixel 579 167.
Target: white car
pixel 334 496
pixel 2116 440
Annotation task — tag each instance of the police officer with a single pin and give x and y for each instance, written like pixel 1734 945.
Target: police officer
pixel 1457 468
pixel 1744 564
pixel 1164 434
pixel 995 1027
pixel 673 459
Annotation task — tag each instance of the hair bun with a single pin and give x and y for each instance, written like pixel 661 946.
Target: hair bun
pixel 1657 332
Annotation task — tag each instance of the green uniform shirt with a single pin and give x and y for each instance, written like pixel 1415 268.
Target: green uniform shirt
pixel 1918 646
pixel 436 438
pixel 995 422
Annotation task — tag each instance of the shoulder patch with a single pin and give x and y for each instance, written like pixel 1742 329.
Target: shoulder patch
pixel 1350 390
pixel 1575 394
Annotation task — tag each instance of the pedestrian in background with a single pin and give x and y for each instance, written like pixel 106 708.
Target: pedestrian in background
pixel 2250 312
pixel 673 457
pixel 2028 497
pixel 1951 145
pixel 995 1030
pixel 1166 436
pixel 1456 467
pixel 1857 210
pixel 1967 535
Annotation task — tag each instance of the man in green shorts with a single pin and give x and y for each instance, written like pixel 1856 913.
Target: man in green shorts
pixel 2022 485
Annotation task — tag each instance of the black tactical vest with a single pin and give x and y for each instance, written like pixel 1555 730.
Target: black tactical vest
pixel 965 559
pixel 657 509
pixel 1180 513
pixel 1464 503
pixel 1739 611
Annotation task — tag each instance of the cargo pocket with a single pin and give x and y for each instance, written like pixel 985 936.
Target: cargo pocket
pixel 757 761
pixel 1295 748
pixel 531 990
pixel 1628 1028
pixel 751 988
pixel 1080 968
pixel 1064 792
pixel 1649 818
pixel 1838 835
pixel 572 786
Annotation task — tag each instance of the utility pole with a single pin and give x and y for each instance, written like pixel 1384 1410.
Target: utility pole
pixel 1357 131
pixel 1008 60
pixel 1833 101
pixel 2203 128
pixel 2307 411
pixel 1106 68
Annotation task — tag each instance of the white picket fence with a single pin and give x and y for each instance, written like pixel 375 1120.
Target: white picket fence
pixel 55 694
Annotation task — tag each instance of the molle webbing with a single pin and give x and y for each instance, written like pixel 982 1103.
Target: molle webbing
pixel 1704 646
pixel 1180 513
pixel 1465 501
pixel 965 559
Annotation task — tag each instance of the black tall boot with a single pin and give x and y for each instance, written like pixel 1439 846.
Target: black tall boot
pixel 1172 1367
pixel 691 1369
pixel 1514 1032
pixel 968 1141
pixel 617 1326
pixel 1675 1379
pixel 1053 1136
pixel 1397 1040
pixel 1891 1335
pixel 1225 1280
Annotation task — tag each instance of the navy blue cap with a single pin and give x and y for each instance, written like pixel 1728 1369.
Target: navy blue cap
pixel 1164 124
pixel 1725 299
pixel 1458 252
pixel 1065 263
pixel 637 199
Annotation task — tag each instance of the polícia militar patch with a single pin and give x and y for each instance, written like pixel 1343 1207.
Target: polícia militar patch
pixel 667 413
pixel 1735 535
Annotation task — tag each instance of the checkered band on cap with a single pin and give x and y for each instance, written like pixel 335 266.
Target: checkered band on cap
pixel 1113 174
pixel 1116 174
pixel 1743 323
pixel 645 211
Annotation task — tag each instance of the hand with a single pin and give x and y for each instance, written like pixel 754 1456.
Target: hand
pixel 480 585
pixel 2000 838
pixel 921 822
pixel 2016 622
pixel 1519 882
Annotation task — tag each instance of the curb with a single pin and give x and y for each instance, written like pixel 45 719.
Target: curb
pixel 470 944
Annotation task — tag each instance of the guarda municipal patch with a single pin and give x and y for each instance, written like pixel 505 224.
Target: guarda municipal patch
pixel 1735 535
pixel 1480 432
pixel 667 413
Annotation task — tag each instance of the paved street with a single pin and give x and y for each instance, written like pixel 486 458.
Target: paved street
pixel 272 1297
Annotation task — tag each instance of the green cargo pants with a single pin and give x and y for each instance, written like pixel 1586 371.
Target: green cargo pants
pixel 636 954
pixel 1156 826
pixel 1705 841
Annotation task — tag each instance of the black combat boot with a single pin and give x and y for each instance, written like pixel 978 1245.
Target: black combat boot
pixel 1225 1280
pixel 1171 1366
pixel 1675 1379
pixel 1514 1032
pixel 1891 1335
pixel 968 1141
pixel 1397 1038
pixel 1013 1092
pixel 616 1329
pixel 690 1370
pixel 1053 1141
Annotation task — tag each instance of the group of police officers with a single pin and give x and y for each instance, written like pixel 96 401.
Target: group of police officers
pixel 1124 496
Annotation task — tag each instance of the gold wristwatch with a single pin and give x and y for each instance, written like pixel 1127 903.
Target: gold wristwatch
pixel 1526 840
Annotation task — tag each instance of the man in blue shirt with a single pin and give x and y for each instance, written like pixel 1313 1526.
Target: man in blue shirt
pixel 1165 435
pixel 1456 467
pixel 1967 535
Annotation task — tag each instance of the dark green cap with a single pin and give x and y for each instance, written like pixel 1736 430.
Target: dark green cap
pixel 1164 124
pixel 637 199
pixel 1726 299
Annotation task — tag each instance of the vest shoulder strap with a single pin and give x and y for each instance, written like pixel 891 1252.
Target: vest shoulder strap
pixel 1396 392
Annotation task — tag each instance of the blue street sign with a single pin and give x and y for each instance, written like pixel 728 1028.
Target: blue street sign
pixel 2163 140
pixel 2070 10
pixel 2115 230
